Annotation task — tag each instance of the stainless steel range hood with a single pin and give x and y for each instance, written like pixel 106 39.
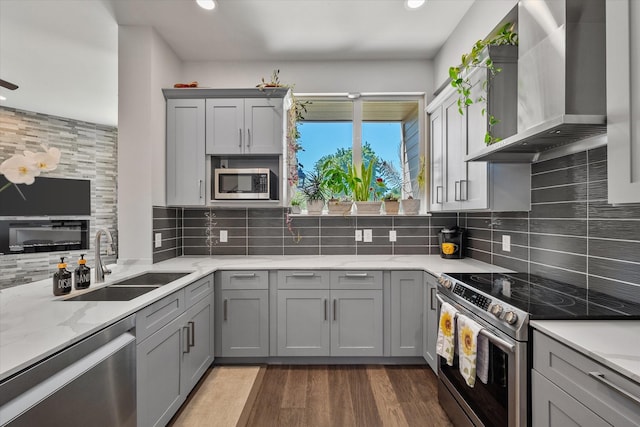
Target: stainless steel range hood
pixel 561 79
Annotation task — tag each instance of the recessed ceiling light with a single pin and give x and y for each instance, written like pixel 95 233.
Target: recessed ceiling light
pixel 414 4
pixel 206 4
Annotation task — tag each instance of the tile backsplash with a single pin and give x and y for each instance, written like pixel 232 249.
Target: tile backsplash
pixel 89 151
pixel 571 233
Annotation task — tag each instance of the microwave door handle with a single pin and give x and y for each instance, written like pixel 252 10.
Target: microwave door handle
pixel 495 340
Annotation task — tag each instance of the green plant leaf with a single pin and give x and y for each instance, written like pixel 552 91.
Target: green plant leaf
pixel 487 138
pixel 468 101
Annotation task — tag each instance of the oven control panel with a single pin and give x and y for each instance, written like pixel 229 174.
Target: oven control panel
pixel 473 297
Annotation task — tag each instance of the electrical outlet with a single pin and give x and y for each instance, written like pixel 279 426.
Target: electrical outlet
pixel 358 235
pixel 392 236
pixel 506 243
pixel 224 236
pixel 368 235
pixel 158 240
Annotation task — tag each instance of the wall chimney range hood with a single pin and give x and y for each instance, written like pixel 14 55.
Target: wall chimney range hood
pixel 561 79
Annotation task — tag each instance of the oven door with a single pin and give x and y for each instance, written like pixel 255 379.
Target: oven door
pixel 500 402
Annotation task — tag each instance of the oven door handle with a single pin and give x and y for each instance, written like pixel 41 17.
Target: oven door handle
pixel 494 339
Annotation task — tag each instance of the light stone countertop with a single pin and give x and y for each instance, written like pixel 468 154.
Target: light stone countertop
pixel 34 324
pixel 614 343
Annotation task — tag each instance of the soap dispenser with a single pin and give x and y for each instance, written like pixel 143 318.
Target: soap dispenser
pixel 82 274
pixel 61 279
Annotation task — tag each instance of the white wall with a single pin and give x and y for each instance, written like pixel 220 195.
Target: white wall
pixel 311 76
pixel 145 65
pixel 477 23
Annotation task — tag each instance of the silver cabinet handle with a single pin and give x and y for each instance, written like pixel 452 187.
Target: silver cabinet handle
pixel 455 191
pixel 224 308
pixel 466 190
pixel 335 306
pixel 601 378
pixel 353 275
pixel 325 309
pixel 185 330
pixel 248 138
pixel 439 189
pixel 433 299
pixel 240 137
pixel 243 275
pixel 200 192
pixel 303 274
pixel 192 333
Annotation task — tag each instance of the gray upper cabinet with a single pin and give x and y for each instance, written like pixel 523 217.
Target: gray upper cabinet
pixel 623 101
pixel 244 126
pixel 185 143
pixel 436 138
pixel 406 313
pixel 430 324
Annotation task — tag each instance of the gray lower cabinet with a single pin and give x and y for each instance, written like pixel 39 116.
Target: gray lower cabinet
pixel 174 354
pixel 430 325
pixel 407 290
pixel 322 313
pixel 243 314
pixel 569 388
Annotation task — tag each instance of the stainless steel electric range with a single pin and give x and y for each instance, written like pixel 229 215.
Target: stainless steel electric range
pixel 503 304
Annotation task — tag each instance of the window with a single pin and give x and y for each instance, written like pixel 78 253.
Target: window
pixel 385 128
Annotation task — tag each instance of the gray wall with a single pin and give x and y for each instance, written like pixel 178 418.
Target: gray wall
pixel 571 234
pixel 88 152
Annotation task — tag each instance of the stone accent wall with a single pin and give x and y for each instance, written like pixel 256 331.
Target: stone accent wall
pixel 89 151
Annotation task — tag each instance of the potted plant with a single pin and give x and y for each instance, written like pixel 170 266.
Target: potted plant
pixel 335 181
pixel 391 204
pixel 296 202
pixel 359 181
pixel 411 206
pixel 314 192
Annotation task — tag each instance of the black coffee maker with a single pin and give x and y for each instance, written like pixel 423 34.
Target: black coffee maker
pixel 452 242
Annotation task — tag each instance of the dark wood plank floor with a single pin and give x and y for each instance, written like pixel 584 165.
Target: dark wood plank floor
pixel 334 396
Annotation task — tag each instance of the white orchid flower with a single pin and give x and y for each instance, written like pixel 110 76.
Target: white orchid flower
pixel 19 169
pixel 45 161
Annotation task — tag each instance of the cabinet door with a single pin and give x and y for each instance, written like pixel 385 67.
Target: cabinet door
pixel 185 152
pixel 356 323
pixel 455 171
pixel 245 323
pixel 303 322
pixel 225 126
pixel 263 122
pixel 552 407
pixel 430 324
pixel 436 140
pixel 199 331
pixel 474 192
pixel 406 313
pixel 623 101
pixel 160 391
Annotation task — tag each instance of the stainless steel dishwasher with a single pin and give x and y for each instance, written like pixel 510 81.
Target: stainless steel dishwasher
pixel 93 382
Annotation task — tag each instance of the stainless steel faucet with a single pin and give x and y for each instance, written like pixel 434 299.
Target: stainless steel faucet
pixel 101 270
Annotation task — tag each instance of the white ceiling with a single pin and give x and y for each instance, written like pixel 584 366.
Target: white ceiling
pixel 63 53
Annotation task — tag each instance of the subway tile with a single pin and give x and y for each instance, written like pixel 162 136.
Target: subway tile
pixel 164 223
pixel 617 229
pixel 400 221
pixel 195 241
pixel 478 215
pixel 598 171
pixel 574 278
pixel 196 250
pixel 229 213
pixel 337 241
pixel 559 163
pixel 598 191
pixel 479 255
pixel 165 244
pixel 410 250
pixel 444 221
pixel 170 233
pixel 338 231
pixel 559 210
pixel 265 241
pixel 227 250
pixel 303 222
pixel 597 154
pixel 568 227
pixel 577 245
pixel 511 224
pixel 603 210
pixel 510 263
pixel 223 223
pixel 265 231
pixel 564 193
pixel 371 222
pixel 195 212
pixel 413 240
pixel 302 250
pixel 195 232
pixel 509 215
pixel 328 221
pixel 194 222
pixel 337 250
pixel 615 249
pixel 519 252
pixel 615 270
pixel 572 175
pixel 301 240
pixel 482 245
pixel 521 239
pixel 162 212
pixel 163 256
pixel 265 222
pixel 266 250
pixel 480 223
pixel 473 233
pixel 265 213
pixel 559 259
pixel 375 250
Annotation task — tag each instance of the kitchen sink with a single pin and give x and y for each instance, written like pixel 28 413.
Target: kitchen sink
pixel 128 289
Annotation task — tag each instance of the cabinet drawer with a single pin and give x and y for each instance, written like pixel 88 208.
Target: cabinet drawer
pixel 604 391
pixel 245 280
pixel 152 318
pixel 303 279
pixel 356 279
pixel 198 290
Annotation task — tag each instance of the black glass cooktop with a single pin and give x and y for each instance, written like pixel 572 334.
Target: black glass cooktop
pixel 549 299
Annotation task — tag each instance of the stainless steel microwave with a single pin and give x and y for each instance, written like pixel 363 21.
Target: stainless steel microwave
pixel 245 184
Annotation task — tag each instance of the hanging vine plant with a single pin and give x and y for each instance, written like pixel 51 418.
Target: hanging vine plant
pixel 459 75
pixel 295 114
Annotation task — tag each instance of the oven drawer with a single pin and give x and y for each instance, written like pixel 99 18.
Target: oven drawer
pixel 612 396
